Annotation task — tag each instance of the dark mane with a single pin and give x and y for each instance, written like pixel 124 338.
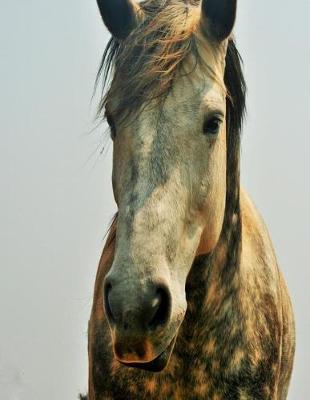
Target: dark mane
pixel 152 54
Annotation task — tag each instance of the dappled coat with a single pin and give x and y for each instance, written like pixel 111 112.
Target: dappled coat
pixel 189 302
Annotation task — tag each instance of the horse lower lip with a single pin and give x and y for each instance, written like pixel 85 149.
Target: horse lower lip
pixel 156 365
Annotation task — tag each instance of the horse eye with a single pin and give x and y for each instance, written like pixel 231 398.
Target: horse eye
pixel 111 125
pixel 212 126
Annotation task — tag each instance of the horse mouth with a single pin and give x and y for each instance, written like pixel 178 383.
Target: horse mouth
pixel 156 365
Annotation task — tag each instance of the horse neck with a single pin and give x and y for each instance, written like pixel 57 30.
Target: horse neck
pixel 214 278
pixel 226 257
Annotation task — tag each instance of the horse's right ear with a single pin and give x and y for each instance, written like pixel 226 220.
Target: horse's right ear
pixel 218 18
pixel 119 16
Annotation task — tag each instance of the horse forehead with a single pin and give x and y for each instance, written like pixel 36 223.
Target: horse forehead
pixel 195 78
pixel 158 133
pixel 189 96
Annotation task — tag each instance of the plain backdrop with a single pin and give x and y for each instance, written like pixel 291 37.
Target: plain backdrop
pixel 56 199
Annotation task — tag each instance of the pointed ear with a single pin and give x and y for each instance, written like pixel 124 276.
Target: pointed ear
pixel 218 17
pixel 119 16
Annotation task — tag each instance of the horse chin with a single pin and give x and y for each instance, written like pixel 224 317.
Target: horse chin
pixel 156 365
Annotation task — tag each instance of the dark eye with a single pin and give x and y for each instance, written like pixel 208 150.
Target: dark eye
pixel 111 125
pixel 212 125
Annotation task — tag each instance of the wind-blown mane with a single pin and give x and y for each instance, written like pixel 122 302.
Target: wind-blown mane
pixel 149 58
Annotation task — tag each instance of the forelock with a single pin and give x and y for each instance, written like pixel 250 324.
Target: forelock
pixel 145 64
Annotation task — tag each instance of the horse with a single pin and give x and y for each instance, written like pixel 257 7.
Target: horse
pixel 189 302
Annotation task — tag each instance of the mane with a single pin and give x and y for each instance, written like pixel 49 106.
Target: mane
pixel 149 58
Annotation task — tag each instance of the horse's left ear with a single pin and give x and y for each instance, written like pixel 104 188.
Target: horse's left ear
pixel 218 17
pixel 119 16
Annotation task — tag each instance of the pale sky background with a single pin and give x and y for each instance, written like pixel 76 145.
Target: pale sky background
pixel 56 199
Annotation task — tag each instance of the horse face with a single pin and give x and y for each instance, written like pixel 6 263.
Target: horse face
pixel 169 182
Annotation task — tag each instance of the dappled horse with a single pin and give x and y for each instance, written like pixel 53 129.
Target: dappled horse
pixel 189 301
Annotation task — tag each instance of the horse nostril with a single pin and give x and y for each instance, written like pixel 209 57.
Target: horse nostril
pixel 140 311
pixel 161 307
pixel 107 302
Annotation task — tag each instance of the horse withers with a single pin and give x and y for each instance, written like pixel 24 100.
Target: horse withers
pixel 189 301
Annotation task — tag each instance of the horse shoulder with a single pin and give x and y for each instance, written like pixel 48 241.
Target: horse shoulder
pixel 258 260
pixel 265 300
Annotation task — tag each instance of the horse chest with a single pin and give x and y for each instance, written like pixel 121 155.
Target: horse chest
pixel 208 369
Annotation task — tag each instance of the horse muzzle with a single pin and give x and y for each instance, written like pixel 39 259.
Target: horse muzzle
pixel 141 321
pixel 157 364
